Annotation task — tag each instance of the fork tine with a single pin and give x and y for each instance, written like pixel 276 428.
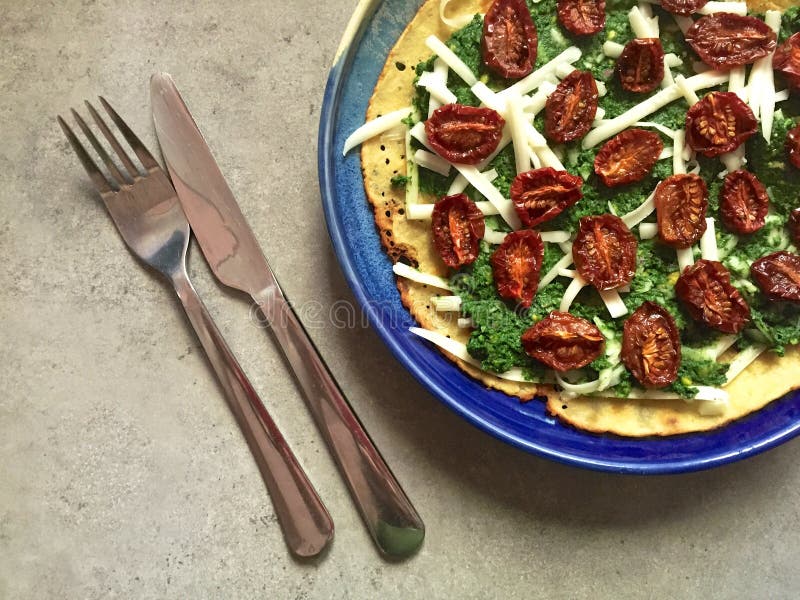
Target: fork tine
pixel 123 156
pixel 115 173
pixel 95 174
pixel 138 147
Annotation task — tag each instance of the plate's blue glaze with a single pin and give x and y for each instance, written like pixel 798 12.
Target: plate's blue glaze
pixel 368 271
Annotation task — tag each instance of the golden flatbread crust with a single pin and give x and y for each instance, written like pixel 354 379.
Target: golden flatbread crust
pixel 384 156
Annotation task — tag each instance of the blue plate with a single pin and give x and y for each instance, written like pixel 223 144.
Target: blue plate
pixel 372 32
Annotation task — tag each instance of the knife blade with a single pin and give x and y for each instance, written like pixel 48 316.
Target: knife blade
pixel 236 259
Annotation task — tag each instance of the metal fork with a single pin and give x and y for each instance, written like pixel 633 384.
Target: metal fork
pixel 149 218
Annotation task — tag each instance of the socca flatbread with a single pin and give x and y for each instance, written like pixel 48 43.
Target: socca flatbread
pixel 383 157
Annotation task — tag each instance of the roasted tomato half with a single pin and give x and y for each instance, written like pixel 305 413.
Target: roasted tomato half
pixel 516 264
pixel 706 291
pixel 509 41
pixel 605 251
pixel 627 157
pixel 778 275
pixel 743 202
pixel 725 40
pixel 794 225
pixel 563 342
pixel 582 17
pixel 786 60
pixel 640 67
pixel 458 228
pixel 719 123
pixel 651 348
pixel 793 146
pixel 683 7
pixel 464 134
pixel 681 204
pixel 542 194
pixel 571 108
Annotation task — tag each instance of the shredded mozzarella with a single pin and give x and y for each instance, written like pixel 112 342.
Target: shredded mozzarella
pixel 516 122
pixel 555 237
pixel 565 261
pixel 488 97
pixel 710 400
pixel 678 145
pixel 708 241
pixel 446 303
pixel 647 231
pixel 737 8
pixel 539 99
pixel 743 360
pixel 685 257
pixel 375 127
pixel 612 49
pixel 665 153
pixel 733 160
pixel 641 212
pixel 687 92
pixel 648 106
pixel 683 23
pixel 575 286
pixel 436 88
pixel 459 184
pixel 505 208
pixel 465 323
pixel 766 110
pixel 439 48
pixel 668 79
pixel 577 389
pixel 531 82
pixel 672 60
pixel 641 26
pixel 494 237
pixel 658 127
pixel 412 171
pixel 440 69
pixel 404 270
pixel 423 212
pixel 613 301
pixel 459 350
pixel 432 162
pixel 456 22
pixel 736 82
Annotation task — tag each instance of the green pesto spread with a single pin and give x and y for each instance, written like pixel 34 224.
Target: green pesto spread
pixel 498 324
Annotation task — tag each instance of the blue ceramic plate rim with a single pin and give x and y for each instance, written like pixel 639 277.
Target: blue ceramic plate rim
pixel 372 32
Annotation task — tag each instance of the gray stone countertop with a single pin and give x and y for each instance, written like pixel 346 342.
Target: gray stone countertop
pixel 122 472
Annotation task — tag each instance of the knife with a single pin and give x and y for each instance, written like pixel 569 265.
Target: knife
pixel 235 257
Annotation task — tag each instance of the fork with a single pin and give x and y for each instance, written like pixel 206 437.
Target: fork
pixel 146 211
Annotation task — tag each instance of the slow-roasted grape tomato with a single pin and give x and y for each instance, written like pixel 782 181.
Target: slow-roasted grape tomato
pixel 509 41
pixel 458 228
pixel 651 348
pixel 719 123
pixel 725 40
pixel 563 341
pixel 778 275
pixel 640 67
pixel 516 264
pixel 571 108
pixel 683 7
pixel 706 291
pixel 605 251
pixel 794 225
pixel 786 60
pixel 542 194
pixel 582 17
pixel 743 202
pixel 627 157
pixel 793 146
pixel 464 134
pixel 681 204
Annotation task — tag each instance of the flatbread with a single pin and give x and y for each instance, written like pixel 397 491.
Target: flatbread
pixel 383 157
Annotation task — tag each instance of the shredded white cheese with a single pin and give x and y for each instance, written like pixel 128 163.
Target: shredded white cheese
pixel 613 301
pixel 612 49
pixel 737 8
pixel 647 231
pixel 710 400
pixel 436 88
pixel 708 242
pixel 555 237
pixel 456 22
pixel 459 350
pixel 678 145
pixel 494 237
pixel 565 261
pixel 465 323
pixel 423 212
pixel 505 208
pixel 446 303
pixel 648 106
pixel 440 70
pixel 743 360
pixel 439 48
pixel 531 82
pixel 404 270
pixel 685 257
pixel 688 93
pixel 641 25
pixel 641 212
pixel 432 161
pixel 536 103
pixel 517 122
pixel 657 126
pixel 575 286
pixel 375 127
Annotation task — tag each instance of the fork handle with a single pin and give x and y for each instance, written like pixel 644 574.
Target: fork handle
pixel 307 526
pixel 390 517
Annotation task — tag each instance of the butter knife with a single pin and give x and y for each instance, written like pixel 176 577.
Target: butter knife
pixel 235 257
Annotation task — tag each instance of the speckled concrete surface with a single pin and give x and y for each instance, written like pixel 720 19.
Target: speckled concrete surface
pixel 122 473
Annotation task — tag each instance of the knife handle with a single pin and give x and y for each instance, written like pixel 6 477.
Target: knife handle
pixel 392 521
pixel 306 524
